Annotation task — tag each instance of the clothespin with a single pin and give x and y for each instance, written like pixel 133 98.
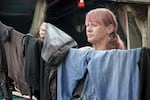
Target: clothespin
pixel 81 4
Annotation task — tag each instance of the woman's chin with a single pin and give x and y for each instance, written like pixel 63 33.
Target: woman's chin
pixel 90 40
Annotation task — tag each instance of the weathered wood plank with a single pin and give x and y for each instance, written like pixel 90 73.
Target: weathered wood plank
pixel 148 31
pixel 38 18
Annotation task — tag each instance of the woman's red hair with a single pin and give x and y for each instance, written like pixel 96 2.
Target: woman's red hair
pixel 106 17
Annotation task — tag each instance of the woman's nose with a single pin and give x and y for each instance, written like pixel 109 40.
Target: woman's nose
pixel 89 29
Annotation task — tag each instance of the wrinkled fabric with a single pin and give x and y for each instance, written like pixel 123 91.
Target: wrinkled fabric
pixel 14 57
pixel 32 56
pixel 5 32
pixel 5 82
pixel 42 59
pixel 3 62
pixel 144 65
pixel 112 75
pixel 70 71
pixel 39 74
pixel 56 44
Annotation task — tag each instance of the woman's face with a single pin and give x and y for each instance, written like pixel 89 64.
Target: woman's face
pixel 96 32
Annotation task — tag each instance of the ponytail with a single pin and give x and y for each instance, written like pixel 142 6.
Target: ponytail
pixel 115 42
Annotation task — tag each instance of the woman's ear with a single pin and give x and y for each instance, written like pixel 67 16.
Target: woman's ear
pixel 110 28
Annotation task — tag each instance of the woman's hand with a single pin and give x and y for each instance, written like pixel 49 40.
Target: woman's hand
pixel 42 30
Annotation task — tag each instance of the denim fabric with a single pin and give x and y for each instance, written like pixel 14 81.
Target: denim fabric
pixel 70 71
pixel 112 74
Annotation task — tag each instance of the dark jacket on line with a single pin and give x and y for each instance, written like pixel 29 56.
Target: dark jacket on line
pixel 42 59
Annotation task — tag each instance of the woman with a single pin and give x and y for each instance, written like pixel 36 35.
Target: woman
pixel 101 30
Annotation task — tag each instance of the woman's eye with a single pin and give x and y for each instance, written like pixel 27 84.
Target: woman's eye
pixel 91 25
pixel 94 24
